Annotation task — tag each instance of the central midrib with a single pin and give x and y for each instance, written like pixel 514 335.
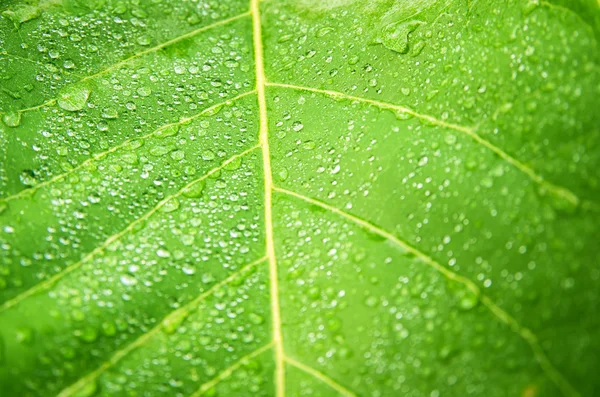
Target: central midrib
pixel 268 182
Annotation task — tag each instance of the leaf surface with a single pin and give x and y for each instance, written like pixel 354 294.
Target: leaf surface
pixel 299 198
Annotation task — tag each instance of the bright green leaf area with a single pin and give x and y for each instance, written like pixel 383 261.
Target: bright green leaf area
pixel 289 198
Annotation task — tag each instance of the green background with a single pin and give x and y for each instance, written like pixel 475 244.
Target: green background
pixel 461 135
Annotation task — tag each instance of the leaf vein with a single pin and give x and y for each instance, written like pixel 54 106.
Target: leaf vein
pixel 557 190
pixel 526 334
pixel 185 310
pixel 142 53
pixel 98 156
pixel 227 372
pixel 320 376
pixel 54 279
pixel 268 182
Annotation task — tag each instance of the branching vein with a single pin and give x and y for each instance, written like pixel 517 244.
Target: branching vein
pixel 142 53
pixel 559 191
pixel 176 315
pixel 54 279
pixel 553 374
pixel 99 156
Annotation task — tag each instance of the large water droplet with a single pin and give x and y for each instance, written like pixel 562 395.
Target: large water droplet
pixel 395 35
pixel 73 98
pixel 12 119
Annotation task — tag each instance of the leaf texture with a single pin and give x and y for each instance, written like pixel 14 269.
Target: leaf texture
pixel 299 198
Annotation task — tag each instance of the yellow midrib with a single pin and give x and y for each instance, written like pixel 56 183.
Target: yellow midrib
pixel 261 83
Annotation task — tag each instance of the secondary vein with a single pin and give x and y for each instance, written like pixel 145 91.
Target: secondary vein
pixel 320 376
pixel 54 279
pixel 141 53
pixel 526 334
pixel 185 310
pixel 98 156
pixel 557 190
pixel 228 371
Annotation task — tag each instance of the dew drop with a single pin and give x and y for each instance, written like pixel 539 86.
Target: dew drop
pixel 144 91
pixel 195 190
pixel 395 35
pixel 73 98
pixel 208 155
pixel 170 206
pixel 189 269
pixel 128 280
pixel 12 119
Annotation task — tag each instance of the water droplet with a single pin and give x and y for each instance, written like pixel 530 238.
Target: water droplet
pixel 256 318
pixel 12 119
pixel 109 328
pixel 73 98
pixel 144 91
pixel 22 13
pixel 195 190
pixel 530 6
pixel 208 278
pixel 88 334
pixel 173 321
pixel 109 113
pixel 143 40
pixel 170 206
pixel 283 174
pixel 189 269
pixel 178 155
pixel 128 280
pixel 160 150
pixel 323 31
pixel 24 335
pixel 450 139
pixel 468 301
pixel 208 155
pixel 395 35
pixel 371 301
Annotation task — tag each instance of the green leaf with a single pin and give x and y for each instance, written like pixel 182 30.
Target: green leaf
pixel 299 198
